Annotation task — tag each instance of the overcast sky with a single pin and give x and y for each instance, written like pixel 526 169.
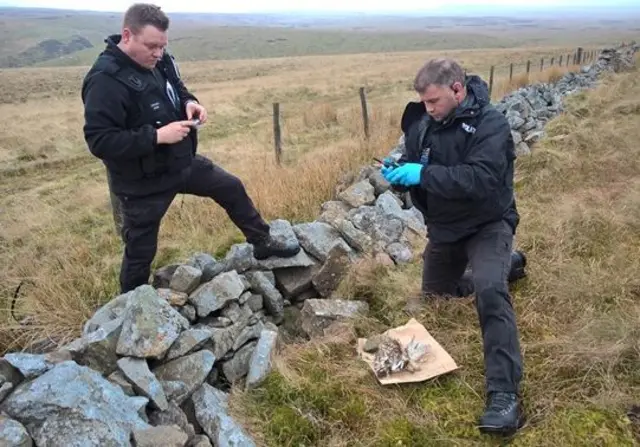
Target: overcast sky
pixel 304 5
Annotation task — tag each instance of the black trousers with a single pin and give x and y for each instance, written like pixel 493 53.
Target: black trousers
pixel 488 253
pixel 142 216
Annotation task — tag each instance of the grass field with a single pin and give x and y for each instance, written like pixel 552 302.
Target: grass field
pixel 577 310
pixel 578 313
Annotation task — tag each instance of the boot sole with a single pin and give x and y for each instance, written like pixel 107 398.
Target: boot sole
pixel 278 254
pixel 502 430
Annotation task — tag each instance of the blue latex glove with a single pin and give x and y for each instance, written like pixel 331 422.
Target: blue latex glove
pixel 406 175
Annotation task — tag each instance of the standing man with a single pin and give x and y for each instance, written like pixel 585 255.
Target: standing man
pixel 458 167
pixel 139 122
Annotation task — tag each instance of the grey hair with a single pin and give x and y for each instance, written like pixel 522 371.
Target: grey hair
pixel 441 71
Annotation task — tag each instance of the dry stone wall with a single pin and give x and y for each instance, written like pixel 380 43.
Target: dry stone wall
pixel 153 366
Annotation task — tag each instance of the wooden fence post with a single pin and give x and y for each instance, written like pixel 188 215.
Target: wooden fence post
pixel 365 113
pixel 552 61
pixel 276 132
pixel 528 67
pixel 491 80
pixel 510 72
pixel 541 64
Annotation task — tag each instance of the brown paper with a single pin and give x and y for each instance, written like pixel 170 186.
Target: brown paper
pixel 436 362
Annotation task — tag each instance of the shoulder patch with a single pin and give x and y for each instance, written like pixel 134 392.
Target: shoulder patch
pixel 468 128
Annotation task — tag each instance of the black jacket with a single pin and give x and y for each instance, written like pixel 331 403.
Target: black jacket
pixel 124 104
pixel 468 181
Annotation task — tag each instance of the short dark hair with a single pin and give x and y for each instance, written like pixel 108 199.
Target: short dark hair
pixel 140 15
pixel 442 71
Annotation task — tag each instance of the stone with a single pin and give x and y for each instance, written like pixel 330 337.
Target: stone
pixel 356 238
pixel 318 314
pixel 189 312
pixel 248 334
pixel 282 232
pixel 97 349
pixel 292 282
pixel 118 378
pixel 173 415
pixel 188 342
pixel 185 279
pixel 166 436
pixel 162 276
pixel 150 326
pixel 190 370
pixel 216 293
pixel 224 339
pixel 240 258
pixel 302 259
pixel 13 433
pixel 200 441
pixel 522 149
pixel 358 194
pixel 29 365
pixel 238 366
pixel 332 272
pixel 173 297
pixel 400 253
pixel 5 390
pixel 318 238
pixel 272 298
pixel 235 312
pixel 332 211
pixel 379 183
pixel 72 405
pixel 207 264
pixel 144 383
pixel 260 363
pixel 211 409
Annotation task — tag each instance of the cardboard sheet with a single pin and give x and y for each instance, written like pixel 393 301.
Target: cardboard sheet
pixel 435 363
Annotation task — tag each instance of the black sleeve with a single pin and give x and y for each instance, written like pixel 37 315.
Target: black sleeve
pixel 482 170
pixel 105 116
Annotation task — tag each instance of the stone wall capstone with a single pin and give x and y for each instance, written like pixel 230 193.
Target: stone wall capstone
pixel 156 363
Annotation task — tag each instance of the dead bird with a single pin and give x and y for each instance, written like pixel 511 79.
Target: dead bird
pixel 391 357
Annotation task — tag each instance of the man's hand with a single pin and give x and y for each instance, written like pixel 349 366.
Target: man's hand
pixel 174 132
pixel 195 110
pixel 407 174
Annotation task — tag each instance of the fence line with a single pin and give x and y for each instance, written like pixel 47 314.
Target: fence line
pixel 578 57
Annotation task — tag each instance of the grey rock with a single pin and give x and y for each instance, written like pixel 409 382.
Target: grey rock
pixel 533 137
pixel 260 363
pixel 189 312
pixel 358 194
pixel 317 314
pixel 13 433
pixel 211 408
pixel 400 253
pixel 173 415
pixel 354 237
pixel 216 293
pixel 273 300
pixel 379 183
pixel 5 390
pixel 117 378
pixel 200 441
pixel 292 282
pixel 29 365
pixel 143 381
pixel 72 405
pixel 150 326
pixel 255 302
pixel 517 137
pixel 302 259
pixel 282 232
pixel 332 271
pixel 9 374
pixel 224 339
pixel 207 264
pixel 248 334
pixel 318 238
pixel 111 312
pixel 238 366
pixel 191 370
pixel 188 342
pixel 240 258
pixel 333 211
pixel 97 349
pixel 235 312
pixel 185 279
pixel 166 436
pixel 522 149
pixel 162 276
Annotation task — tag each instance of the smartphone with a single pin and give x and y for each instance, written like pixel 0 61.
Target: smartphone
pixel 196 123
pixel 393 164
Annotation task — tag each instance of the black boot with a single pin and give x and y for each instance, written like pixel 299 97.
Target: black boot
pixel 518 263
pixel 269 246
pixel 503 414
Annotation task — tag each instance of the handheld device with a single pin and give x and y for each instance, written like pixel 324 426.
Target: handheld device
pixel 386 164
pixel 196 123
